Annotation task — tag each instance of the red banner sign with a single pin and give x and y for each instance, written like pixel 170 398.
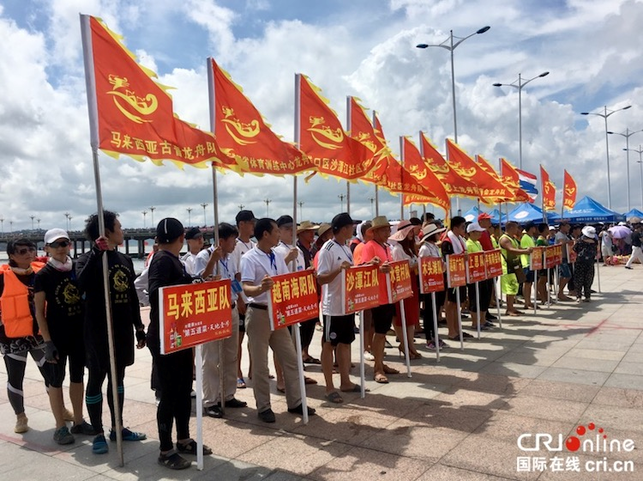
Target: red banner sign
pixel 476 271
pixel 456 270
pixel 536 259
pixel 431 274
pixel 493 261
pixel 399 281
pixel 193 314
pixel 553 256
pixel 293 299
pixel 360 288
pixel 571 253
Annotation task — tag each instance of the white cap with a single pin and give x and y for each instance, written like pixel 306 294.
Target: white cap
pixel 475 227
pixel 589 231
pixel 53 234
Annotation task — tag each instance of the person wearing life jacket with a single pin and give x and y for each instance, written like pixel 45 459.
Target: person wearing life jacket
pixel 18 327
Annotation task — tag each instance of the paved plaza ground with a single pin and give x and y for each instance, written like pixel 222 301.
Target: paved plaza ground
pixel 460 419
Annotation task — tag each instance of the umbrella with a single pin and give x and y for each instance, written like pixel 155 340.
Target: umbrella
pixel 620 231
pixel 634 220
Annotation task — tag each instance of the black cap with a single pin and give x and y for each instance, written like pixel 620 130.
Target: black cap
pixel 341 220
pixel 168 230
pixel 244 215
pixel 193 233
pixel 284 220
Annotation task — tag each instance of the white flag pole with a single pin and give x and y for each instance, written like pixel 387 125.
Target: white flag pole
pixel 407 354
pixel 92 103
pixel 436 338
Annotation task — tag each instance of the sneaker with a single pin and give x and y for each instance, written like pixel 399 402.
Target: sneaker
pixel 235 403
pixel 83 428
pixel 22 425
pixel 443 344
pixel 368 356
pixel 214 411
pixel 431 346
pixel 128 435
pixel 489 324
pixel 300 410
pixel 267 416
pixel 490 317
pixel 628 267
pixel 63 436
pixel 99 445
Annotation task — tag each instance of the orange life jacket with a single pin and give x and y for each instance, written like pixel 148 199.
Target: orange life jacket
pixel 14 303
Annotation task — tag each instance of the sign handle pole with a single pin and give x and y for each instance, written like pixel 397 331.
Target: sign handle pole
pixel 199 404
pixel 436 338
pixel 362 375
pixel 457 301
pixel 556 283
pixel 535 292
pixel 302 381
pixel 405 342
pixel 598 278
pixel 495 291
pixel 478 308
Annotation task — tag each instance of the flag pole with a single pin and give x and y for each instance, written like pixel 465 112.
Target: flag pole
pixel 300 362
pixel 405 341
pixel 92 104
pixel 348 127
pixel 402 177
pixel 377 191
pixel 215 235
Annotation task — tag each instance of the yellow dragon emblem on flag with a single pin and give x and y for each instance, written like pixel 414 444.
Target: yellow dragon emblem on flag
pixel 318 129
pixel 462 172
pixel 241 132
pixel 417 173
pixel 128 100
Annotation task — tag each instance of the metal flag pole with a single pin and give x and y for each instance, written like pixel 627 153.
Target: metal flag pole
pixel 348 127
pixel 92 103
pixel 377 191
pixel 405 342
pixel 478 308
pixel 362 373
pixel 457 299
pixel 436 338
pixel 300 361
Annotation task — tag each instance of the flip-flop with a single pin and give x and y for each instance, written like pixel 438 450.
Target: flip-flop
pixel 390 370
pixel 281 390
pixel 380 378
pixel 355 388
pixel 309 380
pixel 311 360
pixel 334 397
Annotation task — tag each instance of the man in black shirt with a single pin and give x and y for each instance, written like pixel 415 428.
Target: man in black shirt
pixel 636 247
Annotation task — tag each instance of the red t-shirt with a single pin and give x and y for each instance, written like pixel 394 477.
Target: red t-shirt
pixel 485 241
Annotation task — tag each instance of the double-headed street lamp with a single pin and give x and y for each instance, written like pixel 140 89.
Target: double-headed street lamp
pixel 205 222
pixel 519 84
pixel 449 45
pixel 606 113
pixel 640 162
pixel 627 135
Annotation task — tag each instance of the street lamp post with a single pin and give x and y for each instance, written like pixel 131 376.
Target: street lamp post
pixel 241 206
pixel 450 46
pixel 144 214
pixel 301 209
pixel 38 220
pixel 32 219
pixel 267 201
pixel 341 198
pixel 2 225
pixel 189 209
pixel 606 114
pixel 152 208
pixel 11 226
pixel 519 85
pixel 67 217
pixel 627 135
pixel 205 222
pixel 640 162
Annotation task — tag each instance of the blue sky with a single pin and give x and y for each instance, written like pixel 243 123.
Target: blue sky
pixel 363 48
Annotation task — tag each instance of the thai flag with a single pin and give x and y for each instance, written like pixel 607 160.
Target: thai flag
pixel 528 183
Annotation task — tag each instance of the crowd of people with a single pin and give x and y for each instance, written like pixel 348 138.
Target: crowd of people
pixel 54 310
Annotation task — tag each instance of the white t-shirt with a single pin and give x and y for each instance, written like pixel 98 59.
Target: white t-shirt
pixel 331 256
pixel 282 249
pixel 239 250
pixel 228 270
pixel 255 265
pixel 398 254
pixel 429 249
pixel 201 261
pixel 189 261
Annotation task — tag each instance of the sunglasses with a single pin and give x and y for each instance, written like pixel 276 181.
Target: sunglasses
pixel 24 250
pixel 58 244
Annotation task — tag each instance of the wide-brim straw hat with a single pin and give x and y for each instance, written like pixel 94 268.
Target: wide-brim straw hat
pixel 378 223
pixel 323 229
pixel 401 234
pixel 430 229
pixel 306 225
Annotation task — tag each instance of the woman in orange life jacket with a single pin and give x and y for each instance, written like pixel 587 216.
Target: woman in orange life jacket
pixel 18 327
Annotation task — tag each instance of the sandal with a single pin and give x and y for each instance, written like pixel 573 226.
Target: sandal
pixel 380 378
pixel 355 388
pixel 334 397
pixel 241 384
pixel 311 360
pixel 191 447
pixel 390 370
pixel 173 460
pixel 309 380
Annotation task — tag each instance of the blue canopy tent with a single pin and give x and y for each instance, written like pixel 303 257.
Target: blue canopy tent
pixel 472 214
pixel 497 217
pixel 529 212
pixel 588 210
pixel 633 213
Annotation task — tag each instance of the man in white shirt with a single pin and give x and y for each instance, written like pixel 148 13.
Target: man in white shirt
pixel 335 257
pixel 211 392
pixel 257 268
pixel 194 238
pixel 285 249
pixel 245 220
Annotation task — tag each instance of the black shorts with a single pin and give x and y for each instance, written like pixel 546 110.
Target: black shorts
pixel 340 329
pixel 383 318
pixel 529 274
pixel 451 297
pixel 76 367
